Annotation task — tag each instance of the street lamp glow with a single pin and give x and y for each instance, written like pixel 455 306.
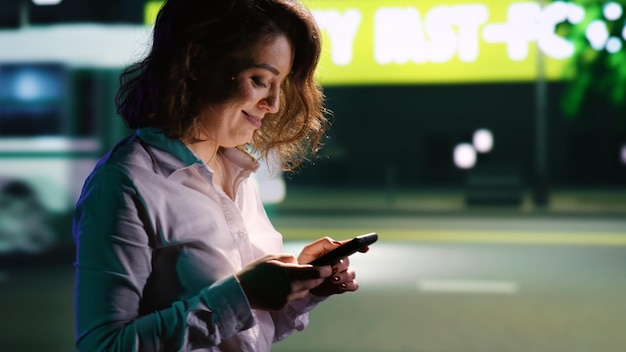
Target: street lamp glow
pixel 623 154
pixel 46 2
pixel 483 140
pixel 464 156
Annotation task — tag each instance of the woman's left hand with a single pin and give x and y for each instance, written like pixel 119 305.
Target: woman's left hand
pixel 343 277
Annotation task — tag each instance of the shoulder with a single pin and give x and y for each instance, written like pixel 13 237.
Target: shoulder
pixel 127 154
pixel 122 163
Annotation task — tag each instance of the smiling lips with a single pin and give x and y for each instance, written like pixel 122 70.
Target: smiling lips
pixel 255 121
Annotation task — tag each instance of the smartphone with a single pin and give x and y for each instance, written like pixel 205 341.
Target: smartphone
pixel 346 249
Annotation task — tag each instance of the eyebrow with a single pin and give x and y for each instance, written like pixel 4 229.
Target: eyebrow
pixel 268 67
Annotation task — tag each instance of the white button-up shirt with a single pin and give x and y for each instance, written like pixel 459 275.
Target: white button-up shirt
pixel 157 248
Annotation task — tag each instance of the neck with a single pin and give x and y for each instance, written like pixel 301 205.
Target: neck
pixel 206 151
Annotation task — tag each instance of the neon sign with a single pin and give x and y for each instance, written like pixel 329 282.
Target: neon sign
pixel 443 41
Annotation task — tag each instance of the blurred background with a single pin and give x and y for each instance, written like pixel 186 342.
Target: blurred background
pixel 484 141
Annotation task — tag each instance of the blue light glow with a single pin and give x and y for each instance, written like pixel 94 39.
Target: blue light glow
pixel 30 83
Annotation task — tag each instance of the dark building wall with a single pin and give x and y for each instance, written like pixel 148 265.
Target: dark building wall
pixel 406 135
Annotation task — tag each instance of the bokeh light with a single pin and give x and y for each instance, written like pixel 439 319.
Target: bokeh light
pixel 613 45
pixel 575 13
pixel 464 156
pixel 597 34
pixel 483 140
pixel 612 11
pixel 46 2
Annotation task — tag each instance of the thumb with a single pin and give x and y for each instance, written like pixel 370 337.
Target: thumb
pixel 286 258
pixel 310 272
pixel 307 276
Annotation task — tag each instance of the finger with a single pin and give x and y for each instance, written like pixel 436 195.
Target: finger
pixel 330 289
pixel 321 246
pixel 298 295
pixel 301 272
pixel 341 265
pixel 349 286
pixel 308 272
pixel 286 258
pixel 306 277
pixel 343 277
pixel 323 241
pixel 305 285
pixel 318 248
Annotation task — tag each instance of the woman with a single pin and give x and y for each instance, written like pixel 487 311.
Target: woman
pixel 174 249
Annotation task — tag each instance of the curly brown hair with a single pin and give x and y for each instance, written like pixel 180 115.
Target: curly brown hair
pixel 198 45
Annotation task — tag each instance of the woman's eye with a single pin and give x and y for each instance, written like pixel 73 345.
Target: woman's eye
pixel 259 82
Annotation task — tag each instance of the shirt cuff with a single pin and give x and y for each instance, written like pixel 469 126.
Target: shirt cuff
pixel 221 312
pixel 308 303
pixel 299 309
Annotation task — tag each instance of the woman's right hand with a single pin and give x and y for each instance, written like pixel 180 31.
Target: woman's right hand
pixel 273 281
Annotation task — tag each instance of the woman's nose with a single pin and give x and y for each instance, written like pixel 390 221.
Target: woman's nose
pixel 271 103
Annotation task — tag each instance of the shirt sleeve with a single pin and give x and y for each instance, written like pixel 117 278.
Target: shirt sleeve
pixel 113 265
pixel 294 317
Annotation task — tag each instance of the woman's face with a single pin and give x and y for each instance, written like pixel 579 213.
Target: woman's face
pixel 235 120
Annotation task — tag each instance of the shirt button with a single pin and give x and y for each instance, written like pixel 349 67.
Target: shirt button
pixel 241 235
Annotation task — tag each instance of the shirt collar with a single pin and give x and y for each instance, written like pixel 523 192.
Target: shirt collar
pixel 156 138
pixel 240 158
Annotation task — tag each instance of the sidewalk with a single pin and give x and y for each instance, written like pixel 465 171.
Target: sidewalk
pixel 328 201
